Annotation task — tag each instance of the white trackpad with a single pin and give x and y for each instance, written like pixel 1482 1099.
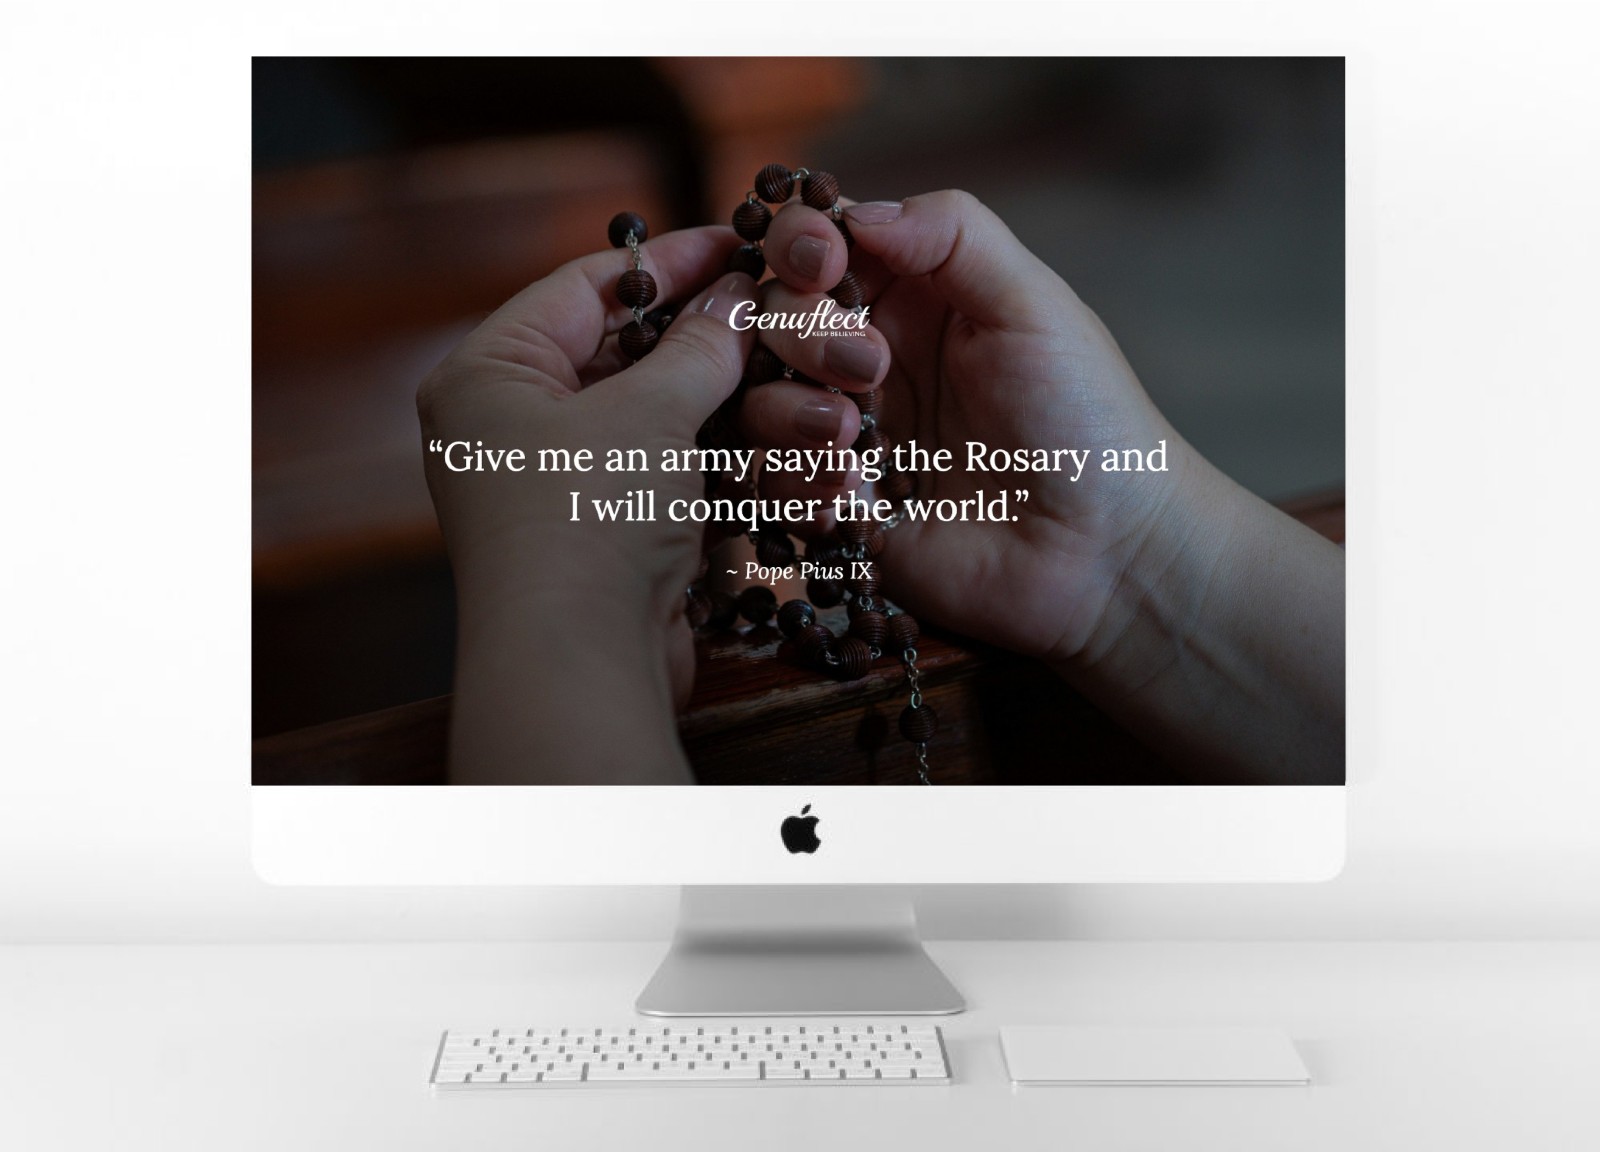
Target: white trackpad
pixel 1041 1054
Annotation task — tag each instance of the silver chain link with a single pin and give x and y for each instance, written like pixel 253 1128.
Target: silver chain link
pixel 638 266
pixel 914 679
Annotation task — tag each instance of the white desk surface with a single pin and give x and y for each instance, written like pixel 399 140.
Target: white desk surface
pixel 1411 1046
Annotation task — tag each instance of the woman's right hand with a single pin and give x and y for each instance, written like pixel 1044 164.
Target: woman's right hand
pixel 1140 586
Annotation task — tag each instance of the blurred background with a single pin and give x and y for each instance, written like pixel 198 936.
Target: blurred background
pixel 1196 205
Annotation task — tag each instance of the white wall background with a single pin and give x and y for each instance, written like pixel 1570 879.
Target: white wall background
pixel 1475 791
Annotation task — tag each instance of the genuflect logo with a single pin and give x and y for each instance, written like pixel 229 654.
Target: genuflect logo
pixel 828 319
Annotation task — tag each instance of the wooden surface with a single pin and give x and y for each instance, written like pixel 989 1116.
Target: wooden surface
pixel 757 717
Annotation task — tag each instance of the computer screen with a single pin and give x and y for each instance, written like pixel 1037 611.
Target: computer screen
pixel 798 471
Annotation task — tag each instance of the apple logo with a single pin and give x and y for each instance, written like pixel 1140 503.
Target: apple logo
pixel 800 832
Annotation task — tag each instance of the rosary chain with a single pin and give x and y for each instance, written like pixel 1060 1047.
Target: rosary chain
pixel 638 266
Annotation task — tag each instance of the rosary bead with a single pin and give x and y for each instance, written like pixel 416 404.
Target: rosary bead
pixel 811 642
pixel 774 550
pixel 717 432
pixel 794 616
pixel 724 611
pixel 903 631
pixel 870 628
pixel 750 219
pixel 637 339
pixel 749 260
pixel 623 223
pixel 869 401
pixel 774 183
pixel 853 659
pixel 896 485
pixel 826 552
pixel 862 586
pixel 636 288
pixel 849 292
pixel 697 609
pixel 763 367
pixel 855 531
pixel 871 439
pixel 824 593
pixel 844 230
pixel 918 724
pixel 821 191
pixel 757 604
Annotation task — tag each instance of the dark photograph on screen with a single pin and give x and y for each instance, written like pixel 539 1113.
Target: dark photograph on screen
pixel 903 421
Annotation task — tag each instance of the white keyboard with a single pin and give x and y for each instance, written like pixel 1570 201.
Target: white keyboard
pixel 723 1051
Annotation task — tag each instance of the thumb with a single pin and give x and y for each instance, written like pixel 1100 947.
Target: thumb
pixel 973 259
pixel 698 363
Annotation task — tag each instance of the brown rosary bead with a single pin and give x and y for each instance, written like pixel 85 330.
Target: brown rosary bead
pixel 751 219
pixel 855 531
pixel 697 609
pixel 869 401
pixel 749 260
pixel 636 288
pixel 718 431
pixel 852 659
pixel 824 593
pixel 757 604
pixel 774 550
pixel 821 191
pixel 849 292
pixel 811 642
pixel 637 339
pixel 903 631
pixel 826 551
pixel 862 586
pixel 794 616
pixel 896 485
pixel 871 628
pixel 918 724
pixel 623 223
pixel 763 367
pixel 871 439
pixel 873 544
pixel 724 611
pixel 774 183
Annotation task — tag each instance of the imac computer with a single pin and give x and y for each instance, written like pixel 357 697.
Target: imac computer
pixel 799 562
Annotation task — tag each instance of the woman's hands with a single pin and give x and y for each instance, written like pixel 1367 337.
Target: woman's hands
pixel 1200 617
pixel 1189 609
pixel 573 654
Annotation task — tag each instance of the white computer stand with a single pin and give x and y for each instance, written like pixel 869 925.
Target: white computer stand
pixel 811 950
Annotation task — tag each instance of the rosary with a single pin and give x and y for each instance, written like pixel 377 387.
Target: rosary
pixel 876 628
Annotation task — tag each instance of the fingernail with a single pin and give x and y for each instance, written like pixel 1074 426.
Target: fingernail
pixel 874 212
pixel 819 420
pixel 806 256
pixel 728 295
pixel 853 358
